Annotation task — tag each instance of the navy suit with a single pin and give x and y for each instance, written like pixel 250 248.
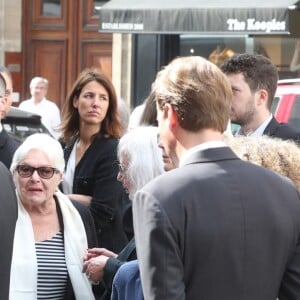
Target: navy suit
pixel 282 130
pixel 218 228
pixel 8 146
pixel 8 218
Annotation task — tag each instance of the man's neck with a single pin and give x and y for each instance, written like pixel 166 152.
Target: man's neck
pixel 249 128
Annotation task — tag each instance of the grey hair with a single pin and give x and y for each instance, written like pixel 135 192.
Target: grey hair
pixel 139 147
pixel 45 143
pixel 37 80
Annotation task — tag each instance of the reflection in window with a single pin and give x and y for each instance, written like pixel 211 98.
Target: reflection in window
pixel 97 5
pixel 51 8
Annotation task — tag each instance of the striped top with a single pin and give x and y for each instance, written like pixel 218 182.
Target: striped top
pixel 52 272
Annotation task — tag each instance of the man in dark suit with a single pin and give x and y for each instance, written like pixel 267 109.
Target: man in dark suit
pixel 216 227
pixel 8 217
pixel 8 145
pixel 253 80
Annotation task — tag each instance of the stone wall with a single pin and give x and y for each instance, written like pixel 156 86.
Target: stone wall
pixel 10 27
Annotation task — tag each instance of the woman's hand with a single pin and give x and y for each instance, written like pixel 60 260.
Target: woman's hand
pixel 94 268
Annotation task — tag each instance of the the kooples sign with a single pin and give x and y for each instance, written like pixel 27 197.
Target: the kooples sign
pixel 256 26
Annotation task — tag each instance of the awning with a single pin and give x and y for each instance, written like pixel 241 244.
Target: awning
pixel 197 16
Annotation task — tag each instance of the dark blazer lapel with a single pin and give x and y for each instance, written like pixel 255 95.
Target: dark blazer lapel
pixel 3 138
pixel 272 127
pixel 211 155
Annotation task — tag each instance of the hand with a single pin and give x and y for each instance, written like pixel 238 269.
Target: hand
pixel 94 252
pixel 94 268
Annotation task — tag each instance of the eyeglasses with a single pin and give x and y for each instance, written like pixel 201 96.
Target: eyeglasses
pixel 44 172
pixel 122 169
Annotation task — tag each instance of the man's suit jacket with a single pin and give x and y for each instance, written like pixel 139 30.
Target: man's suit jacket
pixel 282 130
pixel 218 228
pixel 8 218
pixel 8 146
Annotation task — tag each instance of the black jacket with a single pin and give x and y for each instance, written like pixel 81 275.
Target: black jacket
pixel 8 218
pixel 282 130
pixel 8 146
pixel 96 176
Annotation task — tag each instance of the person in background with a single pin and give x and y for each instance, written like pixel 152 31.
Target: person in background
pixel 8 199
pixel 135 116
pixel 140 161
pixel 9 89
pixel 8 145
pixel 253 80
pixel 90 130
pixel 281 156
pixel 124 113
pixel 38 104
pixel 8 218
pixel 211 224
pixel 52 233
pixel 295 62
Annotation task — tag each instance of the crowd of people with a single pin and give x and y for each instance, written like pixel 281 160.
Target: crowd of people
pixel 167 204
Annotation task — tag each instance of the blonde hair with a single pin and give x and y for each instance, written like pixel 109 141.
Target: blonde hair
pixel 281 156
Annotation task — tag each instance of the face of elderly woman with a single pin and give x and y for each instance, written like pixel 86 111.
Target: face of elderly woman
pixel 123 173
pixel 33 189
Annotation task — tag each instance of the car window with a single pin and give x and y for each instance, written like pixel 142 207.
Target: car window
pixel 295 113
pixel 275 104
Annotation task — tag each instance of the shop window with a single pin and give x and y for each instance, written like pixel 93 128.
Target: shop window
pixel 97 5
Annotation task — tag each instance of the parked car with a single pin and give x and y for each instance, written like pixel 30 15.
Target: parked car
pixel 286 105
pixel 20 124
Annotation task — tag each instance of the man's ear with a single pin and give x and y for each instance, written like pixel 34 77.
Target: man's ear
pixel 171 116
pixel 262 97
pixel 3 102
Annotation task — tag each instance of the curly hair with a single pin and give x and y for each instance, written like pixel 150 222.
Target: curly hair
pixel 281 156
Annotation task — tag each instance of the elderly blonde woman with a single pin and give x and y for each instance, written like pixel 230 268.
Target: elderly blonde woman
pixel 281 156
pixel 52 233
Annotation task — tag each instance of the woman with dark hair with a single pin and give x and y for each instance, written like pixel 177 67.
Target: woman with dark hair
pixel 90 129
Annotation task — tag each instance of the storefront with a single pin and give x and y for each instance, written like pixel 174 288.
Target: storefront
pixel 215 29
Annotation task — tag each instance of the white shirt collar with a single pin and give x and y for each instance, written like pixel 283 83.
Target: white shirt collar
pixel 200 147
pixel 260 130
pixel 1 127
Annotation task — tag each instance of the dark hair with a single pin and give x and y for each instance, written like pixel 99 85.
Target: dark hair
pixel 149 114
pixel 111 125
pixel 259 72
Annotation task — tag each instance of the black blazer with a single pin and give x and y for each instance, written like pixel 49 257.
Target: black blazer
pixel 96 176
pixel 8 146
pixel 218 228
pixel 282 130
pixel 8 218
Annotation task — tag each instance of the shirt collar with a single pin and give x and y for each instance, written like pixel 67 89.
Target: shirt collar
pixel 201 147
pixel 260 130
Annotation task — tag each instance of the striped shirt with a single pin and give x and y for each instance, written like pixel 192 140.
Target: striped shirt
pixel 52 272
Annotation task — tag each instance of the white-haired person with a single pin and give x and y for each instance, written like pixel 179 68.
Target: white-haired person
pixel 52 233
pixel 39 104
pixel 140 160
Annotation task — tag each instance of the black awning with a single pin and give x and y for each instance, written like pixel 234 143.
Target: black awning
pixel 197 16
